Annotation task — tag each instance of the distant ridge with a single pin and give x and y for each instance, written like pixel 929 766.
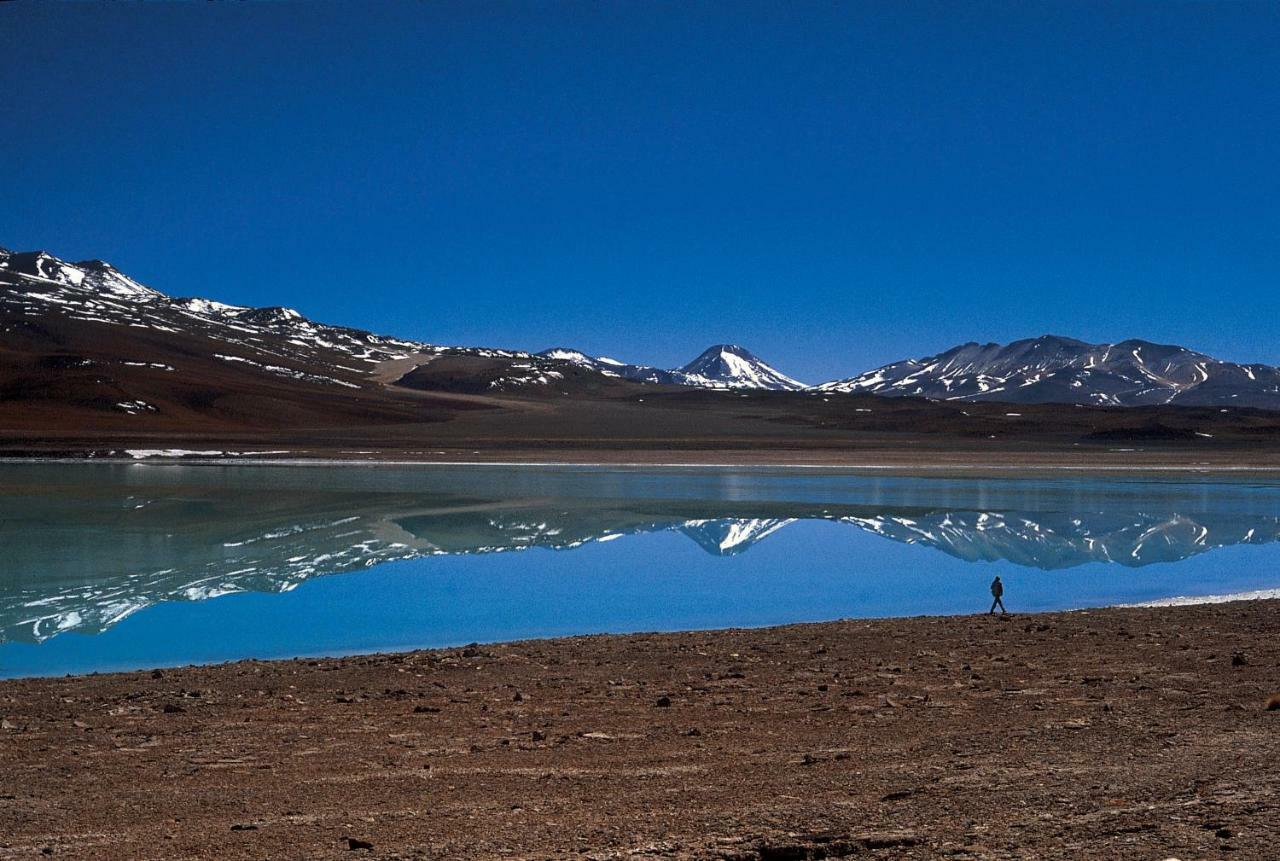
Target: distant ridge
pixel 1055 369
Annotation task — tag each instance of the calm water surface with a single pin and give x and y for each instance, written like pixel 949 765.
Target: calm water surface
pixel 120 566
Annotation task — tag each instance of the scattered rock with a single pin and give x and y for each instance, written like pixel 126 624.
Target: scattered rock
pixel 889 839
pixel 804 847
pixel 782 852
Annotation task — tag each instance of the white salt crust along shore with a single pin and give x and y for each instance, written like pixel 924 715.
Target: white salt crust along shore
pixel 255 458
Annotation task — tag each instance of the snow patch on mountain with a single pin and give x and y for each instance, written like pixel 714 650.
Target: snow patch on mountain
pixel 723 366
pixel 734 367
pixel 1049 369
pixel 35 284
pixel 1053 369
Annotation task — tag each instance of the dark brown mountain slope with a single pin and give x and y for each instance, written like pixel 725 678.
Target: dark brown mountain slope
pixel 92 362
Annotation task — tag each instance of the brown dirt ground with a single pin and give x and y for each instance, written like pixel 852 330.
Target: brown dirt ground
pixel 1119 734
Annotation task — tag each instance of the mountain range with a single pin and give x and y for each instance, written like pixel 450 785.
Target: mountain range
pixel 85 334
pixel 36 284
pixel 1053 369
pixel 722 366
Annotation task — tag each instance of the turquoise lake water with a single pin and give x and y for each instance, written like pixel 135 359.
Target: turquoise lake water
pixel 126 566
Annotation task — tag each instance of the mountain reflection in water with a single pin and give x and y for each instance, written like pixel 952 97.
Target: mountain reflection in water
pixel 84 547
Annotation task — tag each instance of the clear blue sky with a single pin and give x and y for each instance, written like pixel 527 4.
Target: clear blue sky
pixel 834 185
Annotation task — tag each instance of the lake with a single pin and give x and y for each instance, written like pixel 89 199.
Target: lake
pixel 110 566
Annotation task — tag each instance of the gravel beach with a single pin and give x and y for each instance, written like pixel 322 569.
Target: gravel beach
pixel 1124 734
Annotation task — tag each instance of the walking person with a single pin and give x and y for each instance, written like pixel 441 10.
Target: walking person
pixel 997 590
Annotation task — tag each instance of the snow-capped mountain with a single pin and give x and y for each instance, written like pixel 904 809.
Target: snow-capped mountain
pixel 1052 369
pixel 57 314
pixel 612 367
pixel 103 318
pixel 36 284
pixel 91 275
pixel 736 368
pixel 722 366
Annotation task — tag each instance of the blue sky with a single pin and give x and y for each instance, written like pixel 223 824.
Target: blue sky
pixel 834 185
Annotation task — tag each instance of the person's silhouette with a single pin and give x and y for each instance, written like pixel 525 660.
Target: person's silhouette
pixel 997 590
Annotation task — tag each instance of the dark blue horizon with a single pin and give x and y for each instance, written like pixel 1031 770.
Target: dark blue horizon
pixel 832 185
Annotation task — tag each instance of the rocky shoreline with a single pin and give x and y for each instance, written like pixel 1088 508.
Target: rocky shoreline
pixel 1138 733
